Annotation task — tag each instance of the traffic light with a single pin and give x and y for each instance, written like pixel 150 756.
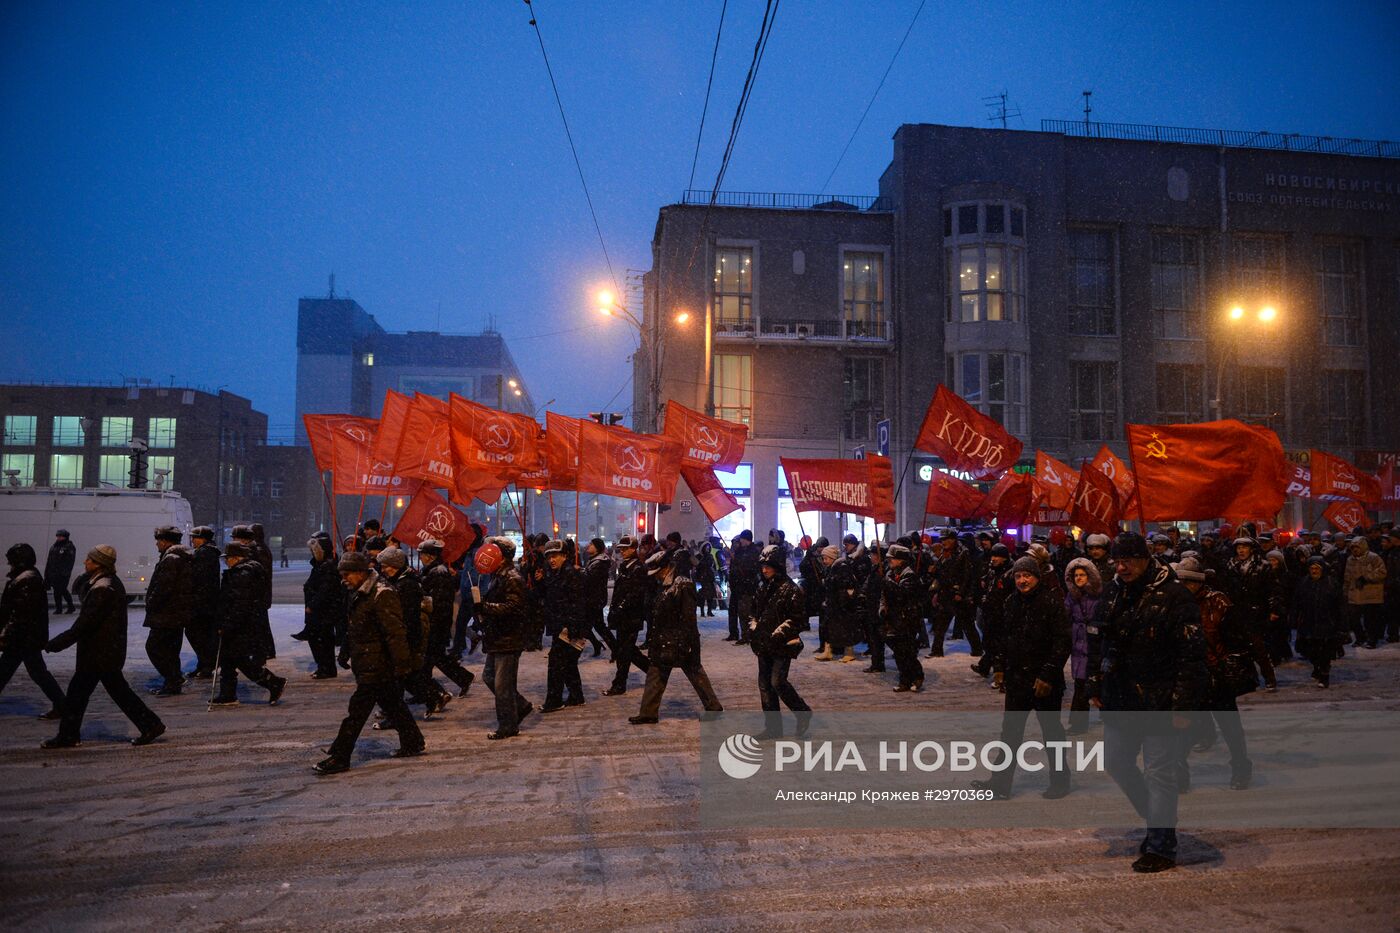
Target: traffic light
pixel 641 523
pixel 606 417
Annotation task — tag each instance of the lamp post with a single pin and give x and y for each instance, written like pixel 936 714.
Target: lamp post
pixel 1236 318
pixel 608 306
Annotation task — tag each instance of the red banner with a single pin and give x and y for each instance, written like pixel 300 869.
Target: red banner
pixel 430 516
pixel 1333 476
pixel 714 501
pixel 1010 501
pixel 614 461
pixel 561 450
pixel 1389 479
pixel 965 438
pixel 1345 516
pixel 321 431
pixel 950 496
pixel 705 441
pixel 498 443
pixel 425 443
pixel 1055 482
pixel 354 469
pixel 391 424
pixel 861 487
pixel 1216 469
pixel 1109 464
pixel 1096 507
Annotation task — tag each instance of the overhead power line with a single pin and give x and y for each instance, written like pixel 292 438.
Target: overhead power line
pixel 534 21
pixel 708 83
pixel 871 102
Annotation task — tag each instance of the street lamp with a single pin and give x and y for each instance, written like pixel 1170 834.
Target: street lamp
pixel 1266 316
pixel 608 306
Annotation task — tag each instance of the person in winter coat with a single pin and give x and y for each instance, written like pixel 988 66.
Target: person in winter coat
pixel 202 630
pixel 439 590
pixel 169 604
pixel 1031 655
pixel 502 609
pixel 872 589
pixel 242 616
pixel 1148 656
pixel 955 590
pixel 775 636
pixel 420 685
pixel 809 573
pixel 58 571
pixel 379 659
pixel 99 631
pixel 626 614
pixel 1316 612
pixel 248 536
pixel 1223 643
pixel 707 595
pixel 1083 589
pixel 565 622
pixel 1096 549
pixel 24 626
pixel 675 638
pixel 996 585
pixel 1248 581
pixel 1276 635
pixel 324 599
pixel 597 566
pixel 1363 582
pixel 842 605
pixel 744 579
pixel 903 597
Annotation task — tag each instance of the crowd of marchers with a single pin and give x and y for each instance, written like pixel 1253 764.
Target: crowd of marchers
pixel 1171 626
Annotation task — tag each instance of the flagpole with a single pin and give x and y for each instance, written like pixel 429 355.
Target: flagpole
pixel 1137 490
pixel 360 514
pixel 902 473
pixel 578 549
pixel 330 502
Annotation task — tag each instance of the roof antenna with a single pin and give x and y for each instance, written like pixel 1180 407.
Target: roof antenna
pixel 997 104
pixel 332 292
pixel 1087 111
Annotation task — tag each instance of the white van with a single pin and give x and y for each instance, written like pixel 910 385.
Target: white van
pixel 124 518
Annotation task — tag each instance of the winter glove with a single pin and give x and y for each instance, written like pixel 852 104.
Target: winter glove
pixel 344 659
pixel 998 677
pixel 1042 688
pixel 753 625
pixel 50 646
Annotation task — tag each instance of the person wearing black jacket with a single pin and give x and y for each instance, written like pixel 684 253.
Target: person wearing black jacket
pixel 595 596
pixel 842 606
pixel 202 630
pixel 58 570
pixel 100 634
pixel 626 614
pixel 1029 657
pixel 705 574
pixel 324 599
pixel 565 622
pixel 872 589
pixel 169 603
pixel 743 583
pixel 502 611
pixel 243 644
pixel 421 686
pixel 810 572
pixel 995 587
pixel 675 637
pixel 1147 656
pixel 1316 612
pixel 24 626
pixel 955 589
pixel 901 613
pixel 379 659
pixel 439 589
pixel 775 636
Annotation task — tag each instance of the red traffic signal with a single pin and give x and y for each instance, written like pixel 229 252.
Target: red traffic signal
pixel 641 522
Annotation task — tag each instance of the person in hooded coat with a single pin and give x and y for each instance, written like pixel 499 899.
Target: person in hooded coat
pixel 24 626
pixel 842 605
pixel 58 570
pixel 1316 612
pixel 707 591
pixel 1083 590
pixel 675 637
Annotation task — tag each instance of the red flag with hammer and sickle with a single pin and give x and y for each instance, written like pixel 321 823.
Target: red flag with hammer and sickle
pixel 1215 469
pixel 614 461
pixel 705 441
pixel 1096 507
pixel 430 516
pixel 966 439
pixel 1333 476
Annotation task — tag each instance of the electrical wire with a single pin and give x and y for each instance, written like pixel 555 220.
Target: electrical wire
pixel 871 102
pixel 708 84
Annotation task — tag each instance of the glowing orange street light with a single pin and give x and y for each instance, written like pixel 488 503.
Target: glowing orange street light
pixel 682 317
pixel 1236 313
pixel 1267 313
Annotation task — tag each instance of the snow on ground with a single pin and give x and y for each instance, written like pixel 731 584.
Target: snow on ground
pixel 588 823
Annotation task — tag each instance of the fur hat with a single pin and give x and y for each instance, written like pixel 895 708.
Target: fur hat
pixel 1097 541
pixel 393 557
pixel 1189 570
pixel 353 562
pixel 1026 565
pixel 169 533
pixel 432 547
pixel 831 551
pixel 105 555
pixel 772 556
pixel 237 549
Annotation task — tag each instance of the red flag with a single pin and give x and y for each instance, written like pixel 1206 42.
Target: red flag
pixel 1389 479
pixel 1010 500
pixel 861 487
pixel 355 471
pixel 1215 469
pixel 1345 516
pixel 500 443
pixel 614 461
pixel 950 496
pixel 1333 476
pixel 321 431
pixel 965 438
pixel 425 443
pixel 1111 465
pixel 391 424
pixel 430 516
pixel 1055 481
pixel 705 441
pixel 714 500
pixel 1096 507
pixel 561 450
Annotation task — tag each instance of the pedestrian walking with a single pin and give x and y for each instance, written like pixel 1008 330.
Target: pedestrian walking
pixel 675 638
pixel 24 626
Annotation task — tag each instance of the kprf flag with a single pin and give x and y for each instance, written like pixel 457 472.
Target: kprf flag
pixel 321 431
pixel 391 424
pixel 1055 481
pixel 354 468
pixel 561 450
pixel 1096 507
pixel 966 439
pixel 1010 500
pixel 1215 469
pixel 861 487
pixel 1333 476
pixel 1111 465
pixel 614 461
pixel 425 443
pixel 484 440
pixel 715 501
pixel 429 516
pixel 950 496
pixel 1299 484
pixel 1345 516
pixel 705 441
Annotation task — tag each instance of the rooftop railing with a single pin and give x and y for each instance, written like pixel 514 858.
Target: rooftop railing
pixel 784 201
pixel 1235 139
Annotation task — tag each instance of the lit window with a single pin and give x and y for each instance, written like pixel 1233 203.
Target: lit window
pixel 863 291
pixel 162 432
pixel 734 387
pixel 21 430
pixel 114 470
pixel 116 432
pixel 367 359
pixel 22 464
pixel 153 465
pixel 68 431
pixel 66 470
pixel 733 284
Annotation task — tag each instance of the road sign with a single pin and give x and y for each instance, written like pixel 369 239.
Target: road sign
pixel 882 437
pixel 686 506
pixel 859 452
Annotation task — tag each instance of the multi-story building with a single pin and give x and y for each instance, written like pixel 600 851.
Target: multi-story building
pixel 211 447
pixel 1063 282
